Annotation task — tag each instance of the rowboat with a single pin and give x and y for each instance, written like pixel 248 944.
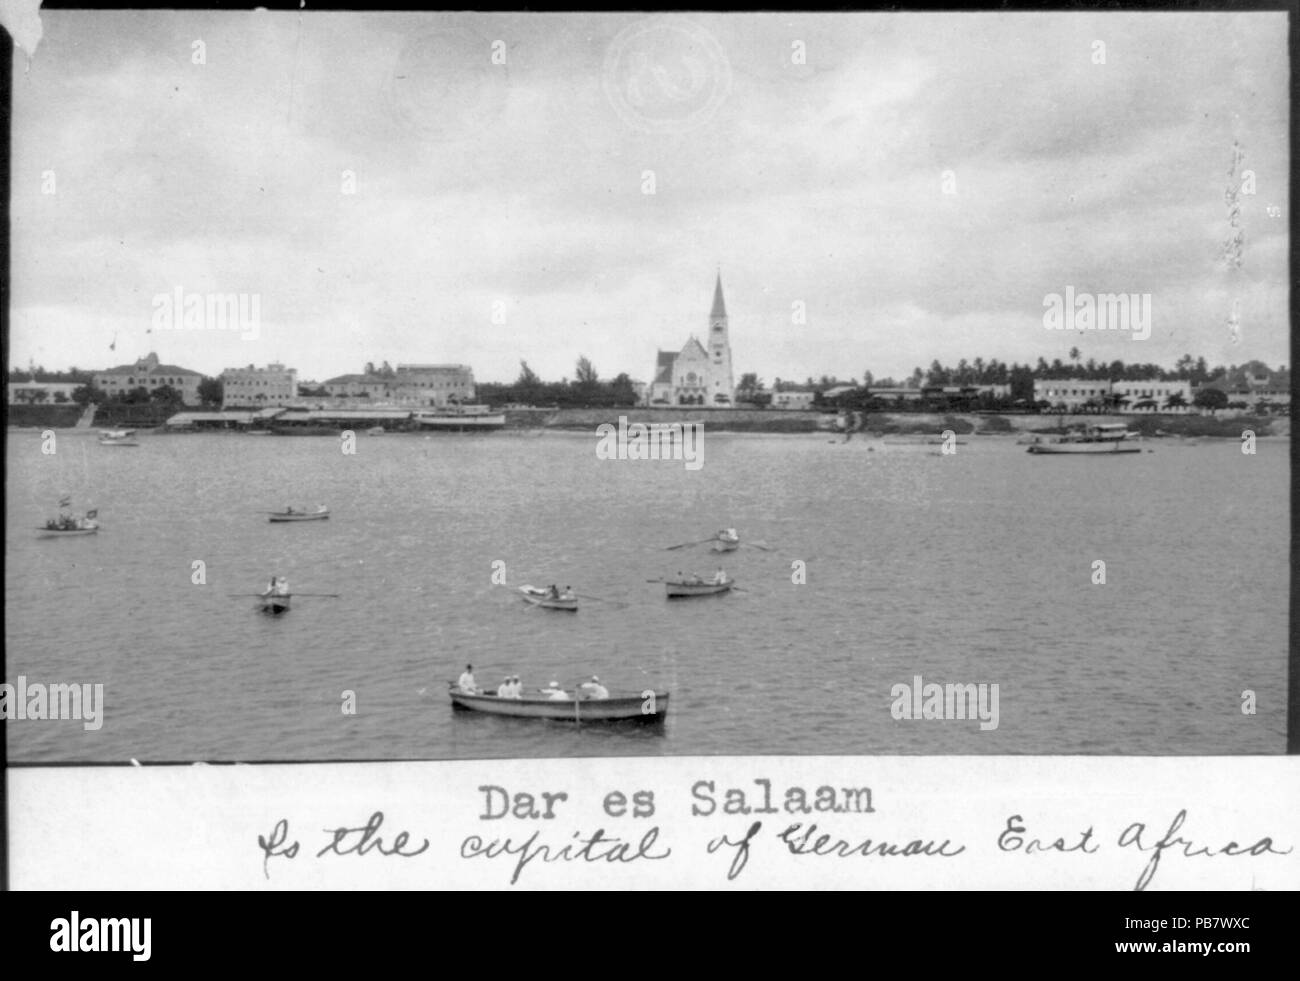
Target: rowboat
pixel 725 545
pixel 319 514
pixel 70 527
pixel 695 586
pixel 275 605
pixel 543 598
pixel 619 707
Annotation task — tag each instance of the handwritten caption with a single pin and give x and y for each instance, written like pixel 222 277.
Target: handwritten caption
pixel 536 844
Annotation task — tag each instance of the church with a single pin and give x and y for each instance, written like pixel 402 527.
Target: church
pixel 696 375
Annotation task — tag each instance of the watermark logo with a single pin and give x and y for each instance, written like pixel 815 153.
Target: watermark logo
pixel 666 75
pixel 72 934
pixel 652 441
pixel 1102 311
pixel 83 702
pixel 179 310
pixel 953 701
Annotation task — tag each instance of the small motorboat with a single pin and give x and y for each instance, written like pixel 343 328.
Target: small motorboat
pixel 375 431
pixel 117 437
pixel 291 514
pixel 544 598
pixel 696 586
pixel 1097 438
pixel 648 706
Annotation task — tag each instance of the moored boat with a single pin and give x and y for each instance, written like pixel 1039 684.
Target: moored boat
pixel 1097 438
pixel 649 706
pixel 460 418
pixel 544 598
pixel 696 586
pixel 319 514
pixel 725 545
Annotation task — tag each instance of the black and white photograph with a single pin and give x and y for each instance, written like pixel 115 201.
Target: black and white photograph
pixel 455 386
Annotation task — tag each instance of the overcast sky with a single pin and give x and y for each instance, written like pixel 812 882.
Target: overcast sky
pixel 520 188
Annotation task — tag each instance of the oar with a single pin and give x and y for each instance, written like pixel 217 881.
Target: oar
pixel 687 544
pixel 326 595
pixel 762 545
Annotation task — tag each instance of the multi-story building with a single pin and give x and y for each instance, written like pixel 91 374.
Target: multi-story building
pixel 1152 396
pixel 696 375
pixel 258 387
pixel 433 384
pixel 148 373
pixel 1073 393
pixel 41 393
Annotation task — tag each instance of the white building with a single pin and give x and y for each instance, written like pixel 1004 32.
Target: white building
pixel 251 387
pixel 1073 393
pixel 801 399
pixel 41 393
pixel 696 375
pixel 1151 396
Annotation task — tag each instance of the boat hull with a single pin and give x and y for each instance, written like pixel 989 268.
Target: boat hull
pixel 485 423
pixel 1065 449
pixel 118 442
pixel 274 606
pixel 724 545
pixel 682 590
pixel 65 532
pixel 283 518
pixel 539 597
pixel 616 708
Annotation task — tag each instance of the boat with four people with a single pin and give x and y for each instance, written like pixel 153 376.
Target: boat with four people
pixel 550 598
pixel 649 706
pixel 300 514
pixel 720 582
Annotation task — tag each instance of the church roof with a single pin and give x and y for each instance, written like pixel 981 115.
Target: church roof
pixel 699 348
pixel 719 308
pixel 664 366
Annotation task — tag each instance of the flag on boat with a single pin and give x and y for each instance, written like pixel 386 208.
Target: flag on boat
pixel 65 502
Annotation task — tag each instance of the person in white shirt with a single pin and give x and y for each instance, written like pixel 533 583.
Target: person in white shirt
pixel 719 576
pixel 555 693
pixel 516 687
pixel 466 682
pixel 503 689
pixel 593 689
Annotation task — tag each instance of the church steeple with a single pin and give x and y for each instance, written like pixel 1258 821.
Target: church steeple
pixel 719 311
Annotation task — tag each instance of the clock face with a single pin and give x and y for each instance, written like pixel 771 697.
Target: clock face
pixel 690 378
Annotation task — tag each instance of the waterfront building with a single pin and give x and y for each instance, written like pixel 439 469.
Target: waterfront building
pixel 1072 393
pixel 150 374
pixel 1150 396
pixel 258 387
pixel 698 375
pixel 794 398
pixel 41 393
pixel 435 385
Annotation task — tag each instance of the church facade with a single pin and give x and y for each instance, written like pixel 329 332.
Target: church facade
pixel 698 375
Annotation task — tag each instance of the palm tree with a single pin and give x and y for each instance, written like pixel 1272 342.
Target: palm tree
pixel 1176 401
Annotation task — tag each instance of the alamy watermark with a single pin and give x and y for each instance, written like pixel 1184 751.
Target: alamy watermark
pixel 934 701
pixel 652 441
pixel 1102 311
pixel 179 310
pixel 57 701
